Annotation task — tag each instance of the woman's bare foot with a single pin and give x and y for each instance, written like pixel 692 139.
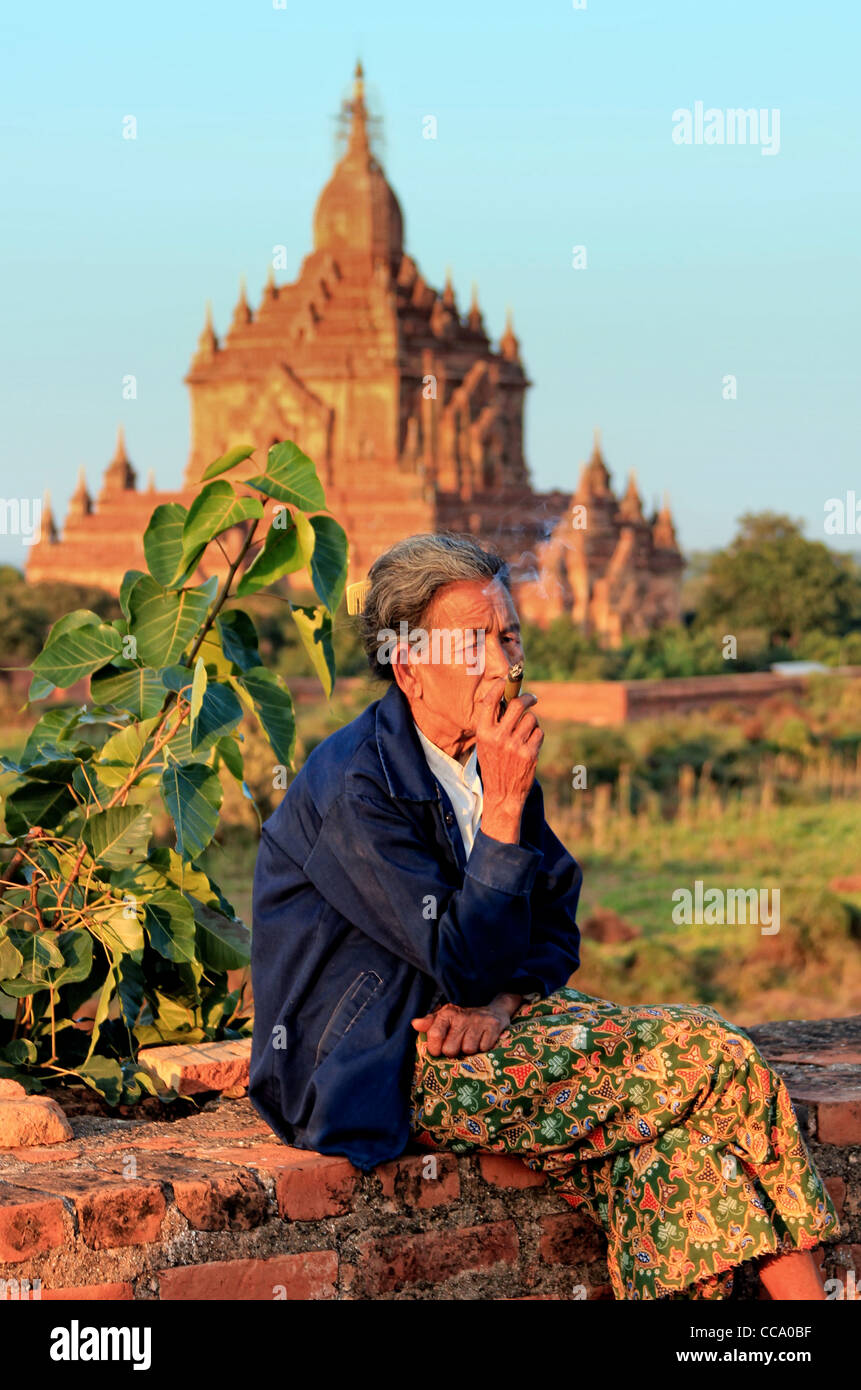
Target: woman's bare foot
pixel 793 1276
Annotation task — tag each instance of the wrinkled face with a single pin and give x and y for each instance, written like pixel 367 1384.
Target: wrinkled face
pixel 472 636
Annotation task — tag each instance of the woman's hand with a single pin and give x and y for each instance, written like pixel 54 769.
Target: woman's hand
pixel 454 1030
pixel 508 751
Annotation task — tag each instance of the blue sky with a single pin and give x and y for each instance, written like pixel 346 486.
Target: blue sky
pixel 554 130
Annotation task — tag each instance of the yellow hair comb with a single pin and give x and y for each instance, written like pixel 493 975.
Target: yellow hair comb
pixel 356 595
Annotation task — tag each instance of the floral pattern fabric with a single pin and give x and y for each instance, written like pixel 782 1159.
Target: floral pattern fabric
pixel 662 1124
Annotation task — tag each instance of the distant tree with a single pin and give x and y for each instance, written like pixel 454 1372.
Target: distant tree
pixel 772 578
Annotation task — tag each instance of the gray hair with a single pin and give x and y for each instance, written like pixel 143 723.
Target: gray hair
pixel 405 579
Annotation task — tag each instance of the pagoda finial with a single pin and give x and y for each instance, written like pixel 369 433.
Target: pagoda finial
pixel 150 480
pixel 663 529
pixel 631 506
pixel 358 140
pixel 48 526
pixel 448 293
pixel 120 450
pixel 508 344
pixel 119 474
pixel 207 343
pixel 476 322
pixel 80 502
pixel 242 313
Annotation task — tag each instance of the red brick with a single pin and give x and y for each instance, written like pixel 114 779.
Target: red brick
pixel 28 1225
pixel 32 1120
pixel 837 1192
pixel 191 1068
pixel 568 1239
pixel 403 1180
pixel 387 1263
pixel 233 1201
pixel 309 1191
pixel 839 1122
pixel 130 1213
pixel 500 1170
pixel 90 1293
pixel 312 1275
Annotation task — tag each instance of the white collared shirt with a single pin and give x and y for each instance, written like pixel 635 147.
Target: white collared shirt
pixel 462 784
pixel 466 794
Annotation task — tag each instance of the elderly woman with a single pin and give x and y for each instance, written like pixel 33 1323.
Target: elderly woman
pixel 414 934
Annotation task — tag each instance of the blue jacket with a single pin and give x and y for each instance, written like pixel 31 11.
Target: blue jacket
pixel 368 914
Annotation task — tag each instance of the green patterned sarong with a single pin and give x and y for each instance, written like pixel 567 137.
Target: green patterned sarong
pixel 663 1124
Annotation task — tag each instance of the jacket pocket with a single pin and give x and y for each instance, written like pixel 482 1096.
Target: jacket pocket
pixel 353 1001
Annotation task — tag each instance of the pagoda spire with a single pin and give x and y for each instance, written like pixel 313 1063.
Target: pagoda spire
pixel 631 506
pixel 270 289
pixel 358 142
pixel 119 474
pixel 207 343
pixel 80 502
pixel 476 322
pixel 663 528
pixel 242 312
pixel 508 344
pixel 47 526
pixel 595 476
pixel 448 298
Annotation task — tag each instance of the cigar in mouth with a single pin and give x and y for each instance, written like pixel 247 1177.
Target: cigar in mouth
pixel 513 682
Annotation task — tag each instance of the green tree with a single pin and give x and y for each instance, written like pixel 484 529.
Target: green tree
pixel 772 578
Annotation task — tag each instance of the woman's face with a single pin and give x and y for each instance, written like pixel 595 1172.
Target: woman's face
pixel 446 669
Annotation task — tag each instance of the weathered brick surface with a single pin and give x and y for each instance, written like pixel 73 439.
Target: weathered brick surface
pixel 29 1225
pixel 390 1263
pixel 213 1206
pixel 501 1171
pixel 309 1276
pixel 420 1180
pixel 212 1066
pixel 31 1120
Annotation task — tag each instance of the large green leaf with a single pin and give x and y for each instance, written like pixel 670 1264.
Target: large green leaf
pixel 77 653
pixel 219 714
pixel 224 942
pixel 238 638
pixel 215 509
pixel 118 926
pixel 291 477
pixel 273 706
pixel 103 1074
pixel 130 579
pixel 315 629
pixel 166 559
pixel 227 461
pixel 169 923
pixel 130 985
pixel 119 835
pixel 329 560
pixel 123 751
pixel 139 690
pixel 165 621
pixel 37 803
pixel 76 948
pixel 81 617
pixel 11 960
pixel 280 554
pixel 193 794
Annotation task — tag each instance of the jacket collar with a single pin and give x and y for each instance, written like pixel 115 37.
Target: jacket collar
pixel 402 757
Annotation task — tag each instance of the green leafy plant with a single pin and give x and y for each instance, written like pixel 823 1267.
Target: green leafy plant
pixel 92 908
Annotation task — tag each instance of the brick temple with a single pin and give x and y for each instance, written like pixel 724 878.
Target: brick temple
pixel 413 416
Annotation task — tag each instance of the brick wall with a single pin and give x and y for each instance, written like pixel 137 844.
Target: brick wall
pixel 214 1206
